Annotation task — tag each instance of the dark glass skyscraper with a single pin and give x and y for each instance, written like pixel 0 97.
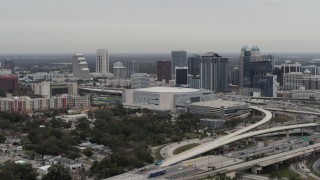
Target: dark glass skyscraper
pixel 181 75
pixel 259 75
pixel 247 55
pixel 214 72
pixel 132 67
pixel 194 65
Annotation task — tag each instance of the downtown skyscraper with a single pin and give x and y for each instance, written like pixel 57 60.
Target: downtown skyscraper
pixel 102 62
pixel 247 55
pixel 213 72
pixel 178 58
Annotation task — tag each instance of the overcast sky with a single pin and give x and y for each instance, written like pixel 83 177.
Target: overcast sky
pixel 148 26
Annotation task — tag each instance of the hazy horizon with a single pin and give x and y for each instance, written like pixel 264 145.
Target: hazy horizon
pixel 150 26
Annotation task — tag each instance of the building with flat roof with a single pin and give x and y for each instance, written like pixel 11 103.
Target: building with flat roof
pixel 178 58
pixel 27 104
pixel 181 75
pixel 140 80
pixel 5 72
pixel 102 61
pixel 222 108
pixel 48 89
pixel 164 98
pixel 214 72
pixel 9 83
pixel 211 123
pixel 45 75
pixel 194 65
pixel 119 71
pixel 164 71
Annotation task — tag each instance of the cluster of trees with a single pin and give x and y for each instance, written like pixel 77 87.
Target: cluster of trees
pixel 11 120
pixel 129 137
pixel 52 141
pixel 11 170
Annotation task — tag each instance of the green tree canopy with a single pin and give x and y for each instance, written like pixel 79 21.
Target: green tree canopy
pixel 57 172
pixel 11 170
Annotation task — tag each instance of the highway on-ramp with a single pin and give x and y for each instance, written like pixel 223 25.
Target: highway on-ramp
pixel 216 143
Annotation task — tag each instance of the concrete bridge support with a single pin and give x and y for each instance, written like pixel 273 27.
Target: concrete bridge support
pixel 256 169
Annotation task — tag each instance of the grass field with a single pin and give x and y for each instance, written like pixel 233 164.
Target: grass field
pixel 184 148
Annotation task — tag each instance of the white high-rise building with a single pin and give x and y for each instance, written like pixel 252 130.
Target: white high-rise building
pixel 140 80
pixel 102 61
pixel 80 67
pixel 119 71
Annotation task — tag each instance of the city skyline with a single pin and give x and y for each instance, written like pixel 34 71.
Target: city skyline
pixel 158 26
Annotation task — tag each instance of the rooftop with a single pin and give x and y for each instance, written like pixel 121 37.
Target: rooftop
pixel 217 103
pixel 211 54
pixel 167 90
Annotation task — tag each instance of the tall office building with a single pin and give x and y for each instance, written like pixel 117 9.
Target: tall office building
pixel 132 67
pixel 214 72
pixel 181 75
pixel 247 55
pixel 80 67
pixel 268 57
pixel 119 71
pixel 140 80
pixel 178 58
pixel 258 76
pixel 194 65
pixel 102 62
pixel 164 71
pixel 234 74
pixel 312 68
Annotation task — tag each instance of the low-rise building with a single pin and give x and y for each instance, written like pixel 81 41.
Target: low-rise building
pixel 221 108
pixel 67 163
pixel 26 104
pixel 305 94
pixel 45 75
pixel 43 170
pixel 48 89
pixel 211 123
pixel 164 98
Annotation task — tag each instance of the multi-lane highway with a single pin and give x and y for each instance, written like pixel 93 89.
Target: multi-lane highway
pixel 262 161
pixel 217 143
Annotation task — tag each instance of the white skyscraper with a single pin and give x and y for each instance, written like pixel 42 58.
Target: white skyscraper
pixel 102 61
pixel 119 71
pixel 79 66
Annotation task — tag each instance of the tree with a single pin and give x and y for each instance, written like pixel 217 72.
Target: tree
pixel 12 170
pixel 222 177
pixel 57 172
pixel 88 152
pixel 83 124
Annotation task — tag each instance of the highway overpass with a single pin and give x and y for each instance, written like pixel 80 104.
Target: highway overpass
pixel 99 90
pixel 215 144
pixel 293 111
pixel 218 142
pixel 262 162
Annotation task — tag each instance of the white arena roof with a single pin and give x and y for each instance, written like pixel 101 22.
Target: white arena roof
pixel 167 90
